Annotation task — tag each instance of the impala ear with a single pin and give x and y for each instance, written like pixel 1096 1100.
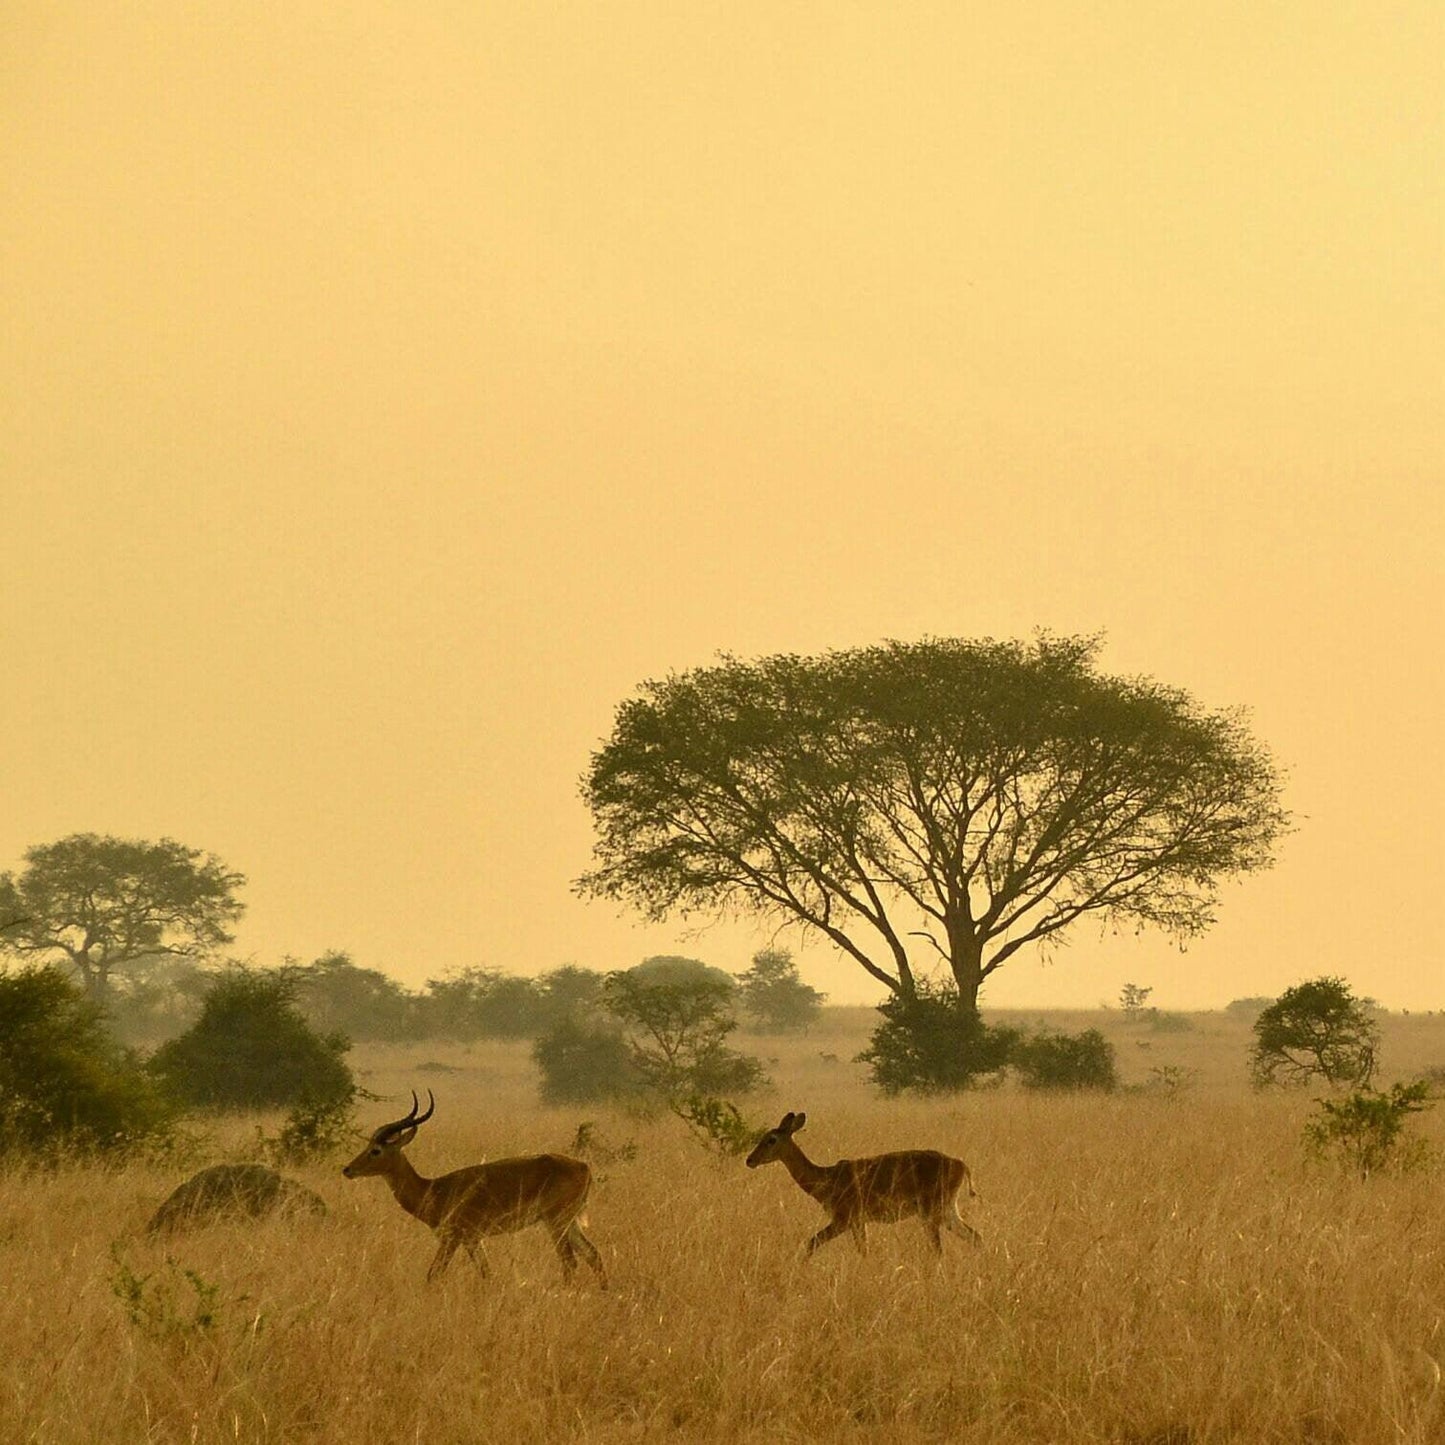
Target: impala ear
pixel 795 1122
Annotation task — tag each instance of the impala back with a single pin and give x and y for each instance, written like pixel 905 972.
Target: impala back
pixel 503 1196
pixel 896 1186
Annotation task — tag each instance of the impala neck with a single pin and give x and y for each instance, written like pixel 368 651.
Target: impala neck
pixel 411 1190
pixel 809 1177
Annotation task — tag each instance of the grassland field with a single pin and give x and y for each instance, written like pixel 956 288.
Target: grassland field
pixel 1158 1266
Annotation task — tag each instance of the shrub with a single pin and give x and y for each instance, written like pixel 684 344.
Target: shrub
pixel 64 1081
pixel 774 996
pixel 252 1049
pixel 718 1125
pixel 1066 1061
pixel 313 1129
pixel 676 1020
pixel 581 1061
pixel 933 1042
pixel 1317 1029
pixel 1366 1129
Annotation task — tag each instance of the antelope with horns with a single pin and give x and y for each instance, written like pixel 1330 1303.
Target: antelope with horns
pixel 498 1198
pixel 884 1188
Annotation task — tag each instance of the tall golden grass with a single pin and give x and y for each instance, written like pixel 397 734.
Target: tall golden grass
pixel 1155 1269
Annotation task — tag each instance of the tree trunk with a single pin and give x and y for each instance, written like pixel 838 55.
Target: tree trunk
pixel 966 961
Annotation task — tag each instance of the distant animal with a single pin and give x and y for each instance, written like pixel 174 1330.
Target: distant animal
pixel 232 1191
pixel 882 1189
pixel 482 1199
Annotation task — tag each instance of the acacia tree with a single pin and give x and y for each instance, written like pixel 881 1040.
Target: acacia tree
pixel 106 904
pixel 964 798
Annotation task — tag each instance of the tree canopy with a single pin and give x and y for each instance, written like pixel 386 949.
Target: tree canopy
pixel 105 904
pixel 946 799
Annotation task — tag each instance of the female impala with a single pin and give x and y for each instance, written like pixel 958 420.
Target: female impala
pixel 546 1189
pixel 886 1187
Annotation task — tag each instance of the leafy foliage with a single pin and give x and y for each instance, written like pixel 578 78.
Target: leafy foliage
pixel 1366 1129
pixel 1317 1029
pixel 313 1129
pixel 775 997
pixel 64 1082
pixel 1052 1060
pixel 933 1042
pixel 984 795
pixel 105 904
pixel 582 1060
pixel 252 1049
pixel 676 1026
pixel 337 996
pixel 718 1124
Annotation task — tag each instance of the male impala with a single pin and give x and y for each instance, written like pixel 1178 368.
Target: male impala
pixel 885 1188
pixel 546 1189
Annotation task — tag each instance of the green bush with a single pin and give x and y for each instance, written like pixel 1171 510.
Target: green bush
pixel 64 1081
pixel 1066 1061
pixel 582 1061
pixel 252 1049
pixel 933 1042
pixel 1366 1129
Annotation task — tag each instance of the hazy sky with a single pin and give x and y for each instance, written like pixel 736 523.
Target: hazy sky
pixel 386 390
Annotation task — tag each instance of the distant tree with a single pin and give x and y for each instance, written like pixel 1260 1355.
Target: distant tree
pixel 1132 999
pixel 570 991
pixel 477 1003
pixel 64 1081
pixel 109 905
pixel 773 994
pixel 980 796
pixel 676 1026
pixel 674 968
pixel 160 1001
pixel 1317 1029
pixel 336 995
pixel 252 1049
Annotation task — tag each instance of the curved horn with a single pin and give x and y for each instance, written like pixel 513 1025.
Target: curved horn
pixel 431 1108
pixel 397 1125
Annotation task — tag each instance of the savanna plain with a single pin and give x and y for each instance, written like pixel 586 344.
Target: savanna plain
pixel 1160 1265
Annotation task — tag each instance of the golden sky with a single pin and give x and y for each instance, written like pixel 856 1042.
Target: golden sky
pixel 386 390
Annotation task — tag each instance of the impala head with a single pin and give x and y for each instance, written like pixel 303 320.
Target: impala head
pixel 771 1145
pixel 390 1140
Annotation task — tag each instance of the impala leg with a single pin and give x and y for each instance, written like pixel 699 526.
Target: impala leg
pixel 584 1246
pixel 478 1256
pixel 955 1224
pixel 445 1250
pixel 831 1230
pixel 562 1242
pixel 931 1228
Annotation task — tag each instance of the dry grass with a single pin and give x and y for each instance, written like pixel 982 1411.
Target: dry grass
pixel 1155 1269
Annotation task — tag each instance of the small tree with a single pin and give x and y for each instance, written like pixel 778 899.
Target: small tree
pixel 106 905
pixel 933 1042
pixel 774 996
pixel 1317 1029
pixel 676 1032
pixel 64 1082
pixel 252 1049
pixel 1366 1129
pixel 1132 1000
